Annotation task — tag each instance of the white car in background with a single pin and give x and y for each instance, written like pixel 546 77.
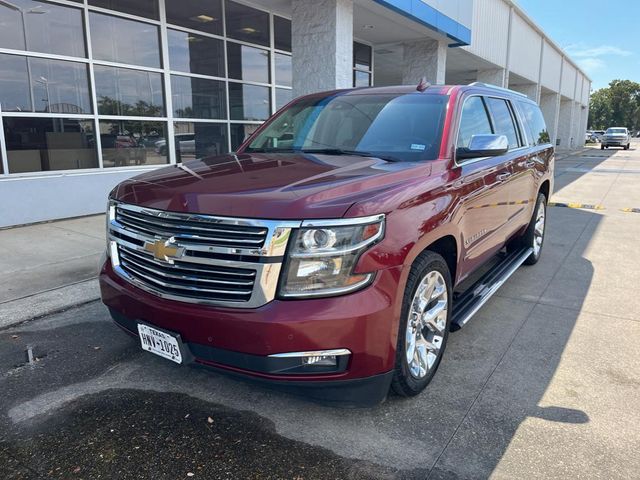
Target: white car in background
pixel 616 137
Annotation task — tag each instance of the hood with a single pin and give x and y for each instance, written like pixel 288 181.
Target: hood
pixel 273 186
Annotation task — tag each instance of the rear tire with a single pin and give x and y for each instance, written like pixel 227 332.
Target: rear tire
pixel 424 324
pixel 601 147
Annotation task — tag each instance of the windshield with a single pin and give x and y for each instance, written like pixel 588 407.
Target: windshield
pixel 616 130
pixel 392 127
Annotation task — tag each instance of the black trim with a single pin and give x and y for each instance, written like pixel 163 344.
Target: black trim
pixel 361 392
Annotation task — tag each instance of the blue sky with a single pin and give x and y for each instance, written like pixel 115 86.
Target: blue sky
pixel 606 46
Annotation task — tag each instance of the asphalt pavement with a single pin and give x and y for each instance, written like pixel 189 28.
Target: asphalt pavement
pixel 543 383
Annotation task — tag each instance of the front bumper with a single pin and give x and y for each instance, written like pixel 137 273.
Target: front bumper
pixel 615 142
pixel 241 340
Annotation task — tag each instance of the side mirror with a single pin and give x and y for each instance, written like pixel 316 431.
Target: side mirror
pixel 484 146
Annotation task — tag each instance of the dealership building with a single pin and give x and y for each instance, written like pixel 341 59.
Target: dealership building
pixel 95 91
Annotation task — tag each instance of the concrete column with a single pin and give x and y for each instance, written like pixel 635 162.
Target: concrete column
pixel 532 91
pixel 578 122
pixel 550 106
pixel 322 45
pixel 424 58
pixel 565 126
pixel 496 76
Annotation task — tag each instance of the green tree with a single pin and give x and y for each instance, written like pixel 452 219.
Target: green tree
pixel 616 105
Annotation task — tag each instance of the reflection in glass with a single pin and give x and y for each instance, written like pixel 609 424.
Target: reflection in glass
pixel 239 133
pixel 14 84
pixel 131 142
pixel 124 41
pixel 199 140
pixel 283 96
pixel 361 56
pixel 195 14
pixel 283 70
pixel 248 102
pixel 361 79
pixel 195 53
pixel 282 33
pixel 198 98
pixel 122 91
pixel 141 8
pixel 248 63
pixel 44 144
pixel 50 28
pixel 247 24
pixel 60 86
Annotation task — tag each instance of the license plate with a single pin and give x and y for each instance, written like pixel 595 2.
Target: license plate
pixel 160 343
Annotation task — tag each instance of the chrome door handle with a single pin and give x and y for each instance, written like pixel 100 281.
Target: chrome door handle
pixel 529 164
pixel 503 176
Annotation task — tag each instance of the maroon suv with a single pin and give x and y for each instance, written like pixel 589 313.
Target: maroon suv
pixel 329 253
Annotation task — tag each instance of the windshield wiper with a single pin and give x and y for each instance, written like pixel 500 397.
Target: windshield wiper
pixel 358 153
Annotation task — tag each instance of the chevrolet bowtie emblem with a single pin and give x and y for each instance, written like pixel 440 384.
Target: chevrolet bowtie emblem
pixel 164 250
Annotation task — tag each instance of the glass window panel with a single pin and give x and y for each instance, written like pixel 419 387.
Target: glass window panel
pixel 247 24
pixel 283 96
pixel 121 91
pixel 60 86
pixel 14 84
pixel 132 142
pixel 361 56
pixel 142 8
pixel 195 53
pixel 503 120
pixel 239 133
pixel 199 140
pixel 283 69
pixel 282 33
pixel 198 98
pixel 124 41
pixel 535 124
pixel 474 120
pixel 196 14
pixel 361 79
pixel 44 144
pixel 248 63
pixel 248 102
pixel 50 28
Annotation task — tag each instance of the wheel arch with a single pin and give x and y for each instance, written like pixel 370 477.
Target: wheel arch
pixel 545 188
pixel 447 247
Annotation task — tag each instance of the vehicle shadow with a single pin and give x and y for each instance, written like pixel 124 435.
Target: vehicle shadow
pixel 570 169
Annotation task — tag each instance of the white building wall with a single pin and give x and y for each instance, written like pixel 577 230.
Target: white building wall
pixel 459 10
pixel 490 31
pixel 551 63
pixel 524 55
pixel 568 80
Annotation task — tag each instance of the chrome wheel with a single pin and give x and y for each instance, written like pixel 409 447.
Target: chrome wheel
pixel 426 324
pixel 538 232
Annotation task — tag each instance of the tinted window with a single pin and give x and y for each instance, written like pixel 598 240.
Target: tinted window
pixel 196 14
pixel 198 97
pixel 124 41
pixel 283 69
pixel 122 91
pixel 43 144
pixel 142 8
pixel 195 53
pixel 361 56
pixel 239 133
pixel 248 63
pixel 199 140
pixel 132 142
pixel 503 120
pixel 474 121
pixel 247 24
pixel 60 86
pixel 535 124
pixel 249 102
pixel 616 130
pixel 361 79
pixel 14 84
pixel 282 33
pixel 405 127
pixel 50 28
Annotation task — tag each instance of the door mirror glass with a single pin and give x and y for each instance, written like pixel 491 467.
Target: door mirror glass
pixel 485 145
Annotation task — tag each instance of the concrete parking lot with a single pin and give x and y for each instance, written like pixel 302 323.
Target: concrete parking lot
pixel 543 383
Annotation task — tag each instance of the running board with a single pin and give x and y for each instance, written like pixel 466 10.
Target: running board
pixel 467 304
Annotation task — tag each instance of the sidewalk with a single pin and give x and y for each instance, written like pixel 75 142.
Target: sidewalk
pixel 49 267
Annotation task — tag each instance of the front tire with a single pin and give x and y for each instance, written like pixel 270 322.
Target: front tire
pixel 424 324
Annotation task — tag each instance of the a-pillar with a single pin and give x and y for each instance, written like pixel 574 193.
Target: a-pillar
pixel 425 58
pixel 322 45
pixel 494 76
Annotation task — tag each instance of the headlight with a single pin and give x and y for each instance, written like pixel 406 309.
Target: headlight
pixel 110 217
pixel 323 254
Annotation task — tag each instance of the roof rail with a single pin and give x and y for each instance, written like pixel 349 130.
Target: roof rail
pixel 496 87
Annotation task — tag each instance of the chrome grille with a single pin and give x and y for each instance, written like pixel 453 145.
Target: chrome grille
pixel 198 258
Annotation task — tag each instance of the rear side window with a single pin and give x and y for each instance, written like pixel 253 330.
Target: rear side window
pixel 473 121
pixel 503 120
pixel 534 124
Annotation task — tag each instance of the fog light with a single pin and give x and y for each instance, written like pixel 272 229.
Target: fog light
pixel 321 360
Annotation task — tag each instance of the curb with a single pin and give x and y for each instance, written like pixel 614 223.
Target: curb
pixel 50 302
